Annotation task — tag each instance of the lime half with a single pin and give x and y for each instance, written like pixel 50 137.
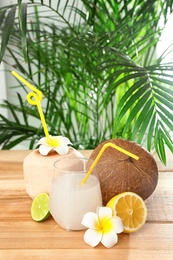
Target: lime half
pixel 40 207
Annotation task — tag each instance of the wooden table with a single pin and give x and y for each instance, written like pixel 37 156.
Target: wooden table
pixel 22 238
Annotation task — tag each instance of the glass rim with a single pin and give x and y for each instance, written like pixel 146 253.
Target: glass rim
pixel 64 167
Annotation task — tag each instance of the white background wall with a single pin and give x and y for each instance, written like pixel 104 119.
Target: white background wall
pixel 166 40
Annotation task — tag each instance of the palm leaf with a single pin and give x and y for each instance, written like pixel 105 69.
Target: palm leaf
pixel 7 29
pixel 140 116
pixel 97 71
pixel 151 131
pixel 22 22
pixel 2 15
pixel 161 148
pixel 144 125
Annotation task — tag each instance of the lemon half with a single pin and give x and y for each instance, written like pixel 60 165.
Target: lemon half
pixel 131 208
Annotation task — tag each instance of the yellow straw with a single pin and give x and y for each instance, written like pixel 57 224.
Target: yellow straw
pixel 100 154
pixel 37 95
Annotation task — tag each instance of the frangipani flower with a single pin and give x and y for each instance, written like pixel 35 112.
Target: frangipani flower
pixel 102 227
pixel 56 143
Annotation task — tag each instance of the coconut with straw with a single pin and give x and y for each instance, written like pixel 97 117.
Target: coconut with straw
pixel 130 168
pixel 37 167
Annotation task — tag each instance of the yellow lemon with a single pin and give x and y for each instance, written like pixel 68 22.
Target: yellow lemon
pixel 131 208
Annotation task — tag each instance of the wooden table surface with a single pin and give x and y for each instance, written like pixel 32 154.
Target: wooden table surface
pixel 23 238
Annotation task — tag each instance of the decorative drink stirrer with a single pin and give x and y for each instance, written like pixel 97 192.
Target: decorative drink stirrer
pixel 37 95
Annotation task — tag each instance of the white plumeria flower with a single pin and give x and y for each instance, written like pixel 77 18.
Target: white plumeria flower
pixel 56 143
pixel 102 227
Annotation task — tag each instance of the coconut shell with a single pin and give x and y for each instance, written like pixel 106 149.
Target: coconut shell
pixel 118 172
pixel 38 170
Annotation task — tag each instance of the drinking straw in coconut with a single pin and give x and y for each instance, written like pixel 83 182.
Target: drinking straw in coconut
pixel 109 144
pixel 37 95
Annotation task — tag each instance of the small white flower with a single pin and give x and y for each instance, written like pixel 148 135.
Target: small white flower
pixel 102 227
pixel 56 143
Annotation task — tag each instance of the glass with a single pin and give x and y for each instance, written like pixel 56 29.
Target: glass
pixel 69 198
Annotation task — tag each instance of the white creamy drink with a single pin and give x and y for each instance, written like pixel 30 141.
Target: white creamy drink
pixel 70 200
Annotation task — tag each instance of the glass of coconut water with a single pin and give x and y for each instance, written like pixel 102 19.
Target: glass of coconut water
pixel 70 199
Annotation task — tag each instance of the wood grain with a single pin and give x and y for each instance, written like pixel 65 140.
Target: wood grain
pixel 22 238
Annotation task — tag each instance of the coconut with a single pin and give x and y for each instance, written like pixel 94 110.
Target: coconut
pixel 38 170
pixel 117 172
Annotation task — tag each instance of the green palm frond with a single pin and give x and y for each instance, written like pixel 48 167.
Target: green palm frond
pixel 95 63
pixel 9 21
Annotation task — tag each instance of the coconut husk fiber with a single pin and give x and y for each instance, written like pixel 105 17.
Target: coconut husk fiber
pixel 118 172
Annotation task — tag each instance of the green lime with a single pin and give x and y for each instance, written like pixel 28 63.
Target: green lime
pixel 40 207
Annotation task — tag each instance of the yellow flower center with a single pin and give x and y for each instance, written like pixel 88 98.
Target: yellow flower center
pixel 102 221
pixel 107 226
pixel 53 142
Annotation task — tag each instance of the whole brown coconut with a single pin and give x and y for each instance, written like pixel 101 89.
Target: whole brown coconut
pixel 118 172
